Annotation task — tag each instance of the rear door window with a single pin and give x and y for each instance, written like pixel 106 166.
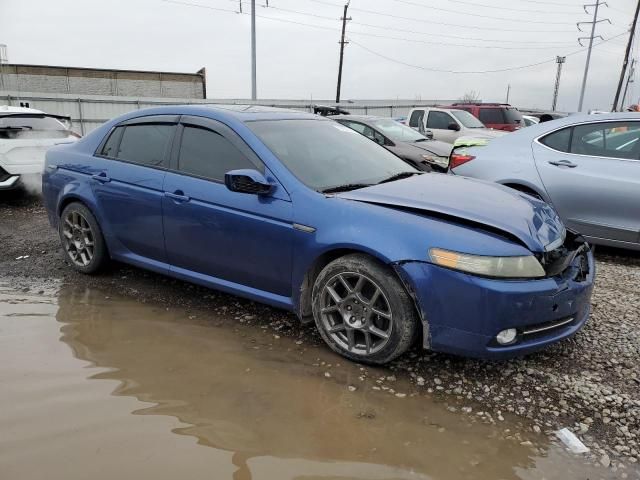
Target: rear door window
pixel 558 140
pixel 416 118
pixel 439 120
pixel 607 139
pixel 492 116
pixel 146 144
pixel 208 154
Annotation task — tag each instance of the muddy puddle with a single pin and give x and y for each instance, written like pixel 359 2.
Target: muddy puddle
pixel 98 386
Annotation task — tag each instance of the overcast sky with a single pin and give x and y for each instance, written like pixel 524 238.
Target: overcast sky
pixel 298 45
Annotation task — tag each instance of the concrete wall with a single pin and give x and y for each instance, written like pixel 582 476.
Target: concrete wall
pixel 85 81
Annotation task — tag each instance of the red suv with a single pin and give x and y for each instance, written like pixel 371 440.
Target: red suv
pixel 500 116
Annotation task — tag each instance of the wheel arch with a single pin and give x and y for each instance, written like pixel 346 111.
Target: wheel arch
pixel 303 298
pixel 526 187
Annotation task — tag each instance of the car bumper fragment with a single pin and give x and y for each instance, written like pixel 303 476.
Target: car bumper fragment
pixel 9 182
pixel 463 313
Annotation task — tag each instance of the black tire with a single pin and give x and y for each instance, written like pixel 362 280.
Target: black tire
pixel 86 250
pixel 400 322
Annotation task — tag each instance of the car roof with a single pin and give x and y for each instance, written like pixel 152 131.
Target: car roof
pixel 362 118
pixel 242 113
pixel 5 109
pixel 586 118
pixel 543 128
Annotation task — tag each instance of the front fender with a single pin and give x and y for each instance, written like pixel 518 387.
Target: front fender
pixel 391 235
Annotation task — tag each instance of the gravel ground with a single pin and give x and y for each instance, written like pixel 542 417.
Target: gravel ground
pixel 590 384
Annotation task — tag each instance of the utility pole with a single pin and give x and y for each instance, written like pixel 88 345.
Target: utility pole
pixel 560 61
pixel 342 44
pixel 254 86
pixel 3 59
pixel 626 57
pixel 508 92
pixel 630 79
pixel 593 24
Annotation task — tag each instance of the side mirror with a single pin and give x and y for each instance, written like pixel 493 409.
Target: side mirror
pixel 454 126
pixel 247 181
pixel 429 134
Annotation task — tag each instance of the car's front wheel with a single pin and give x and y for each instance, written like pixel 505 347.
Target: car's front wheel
pixel 82 238
pixel 362 311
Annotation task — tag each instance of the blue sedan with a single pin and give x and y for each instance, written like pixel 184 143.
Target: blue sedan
pixel 305 214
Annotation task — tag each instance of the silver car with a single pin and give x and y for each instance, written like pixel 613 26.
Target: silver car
pixel 586 166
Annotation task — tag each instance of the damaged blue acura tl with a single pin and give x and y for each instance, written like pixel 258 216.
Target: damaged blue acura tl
pixel 302 213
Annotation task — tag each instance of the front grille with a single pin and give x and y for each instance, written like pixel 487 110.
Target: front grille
pixel 4 175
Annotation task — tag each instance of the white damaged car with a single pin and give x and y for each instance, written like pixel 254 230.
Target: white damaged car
pixel 25 136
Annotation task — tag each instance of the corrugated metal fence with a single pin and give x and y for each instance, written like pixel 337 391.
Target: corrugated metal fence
pixel 88 112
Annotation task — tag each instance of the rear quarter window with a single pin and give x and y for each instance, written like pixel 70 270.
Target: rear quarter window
pixel 558 140
pixel 146 144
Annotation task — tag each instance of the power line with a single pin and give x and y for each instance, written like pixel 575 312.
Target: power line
pixel 499 70
pixel 482 5
pixel 416 32
pixel 426 42
pixel 432 22
pixel 446 44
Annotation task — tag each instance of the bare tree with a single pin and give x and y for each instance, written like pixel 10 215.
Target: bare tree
pixel 470 97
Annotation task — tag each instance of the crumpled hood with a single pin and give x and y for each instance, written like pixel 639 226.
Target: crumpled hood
pixel 531 221
pixel 485 133
pixel 435 147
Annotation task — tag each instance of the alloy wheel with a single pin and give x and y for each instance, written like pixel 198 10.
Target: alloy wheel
pixel 78 238
pixel 355 313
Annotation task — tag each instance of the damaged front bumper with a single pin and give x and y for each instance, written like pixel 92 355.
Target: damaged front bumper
pixel 462 314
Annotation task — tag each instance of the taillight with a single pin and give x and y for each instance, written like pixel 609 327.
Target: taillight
pixel 458 159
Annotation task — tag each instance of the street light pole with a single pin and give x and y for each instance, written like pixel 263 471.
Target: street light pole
pixel 254 87
pixel 560 61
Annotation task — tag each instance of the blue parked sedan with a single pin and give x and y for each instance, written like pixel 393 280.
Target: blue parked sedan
pixel 305 214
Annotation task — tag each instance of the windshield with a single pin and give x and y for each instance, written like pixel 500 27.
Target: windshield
pixel 397 132
pixel 468 120
pixel 31 126
pixel 325 154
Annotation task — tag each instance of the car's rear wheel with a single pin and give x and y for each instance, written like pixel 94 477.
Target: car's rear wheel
pixel 82 238
pixel 362 311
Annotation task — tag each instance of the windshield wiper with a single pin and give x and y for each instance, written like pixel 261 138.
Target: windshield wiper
pixel 422 140
pixel 345 188
pixel 399 176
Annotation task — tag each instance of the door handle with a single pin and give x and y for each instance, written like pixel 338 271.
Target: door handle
pixel 177 196
pixel 563 163
pixel 101 177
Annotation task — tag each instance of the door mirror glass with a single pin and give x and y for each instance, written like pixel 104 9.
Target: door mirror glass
pixel 247 181
pixel 454 126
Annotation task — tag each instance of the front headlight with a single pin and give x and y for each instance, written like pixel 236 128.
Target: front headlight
pixel 502 267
